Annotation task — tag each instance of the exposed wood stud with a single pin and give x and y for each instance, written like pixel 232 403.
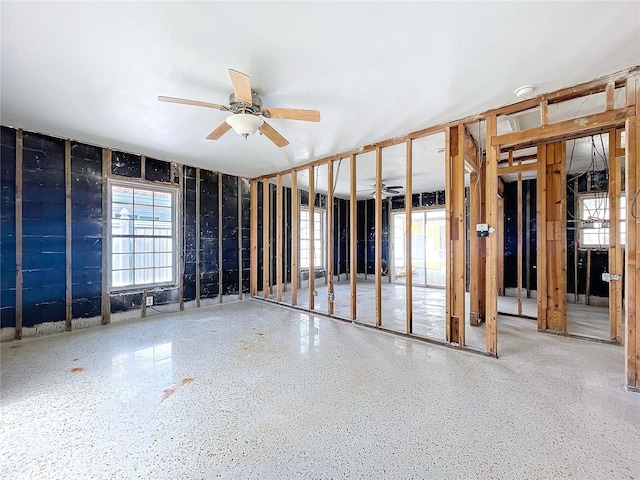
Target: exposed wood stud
pixel 182 242
pixel 491 286
pixel 330 239
pixel 197 237
pixel 106 247
pixel 68 233
pixel 353 236
pixel 587 294
pixel 378 238
pixel 295 229
pixel 254 239
pixel 312 252
pixel 266 261
pixel 576 243
pixel 610 91
pixel 279 246
pixel 143 167
pixel 408 204
pixel 616 251
pixel 19 147
pixel 527 237
pixel 519 248
pixel 544 112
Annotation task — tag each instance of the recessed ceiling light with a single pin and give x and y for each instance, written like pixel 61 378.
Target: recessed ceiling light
pixel 524 90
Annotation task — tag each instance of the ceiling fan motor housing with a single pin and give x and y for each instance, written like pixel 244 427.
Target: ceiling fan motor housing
pixel 238 106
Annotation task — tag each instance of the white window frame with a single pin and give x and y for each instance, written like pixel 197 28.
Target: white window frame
pixel 173 191
pixel 588 219
pixel 318 246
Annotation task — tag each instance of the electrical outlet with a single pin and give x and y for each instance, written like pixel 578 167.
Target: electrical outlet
pixel 149 301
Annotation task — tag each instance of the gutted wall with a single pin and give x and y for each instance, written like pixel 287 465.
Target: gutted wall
pixel 215 245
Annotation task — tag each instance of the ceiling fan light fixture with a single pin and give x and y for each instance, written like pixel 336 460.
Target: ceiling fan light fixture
pixel 244 124
pixel 524 91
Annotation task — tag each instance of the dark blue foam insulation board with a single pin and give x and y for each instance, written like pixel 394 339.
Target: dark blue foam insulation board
pixel 532 238
pixel 86 230
pixel 43 228
pixel 126 165
pixel 371 235
pixel 272 233
pixel 230 228
pixel 259 222
pixel 385 238
pixel 189 241
pixel 209 282
pixel 157 170
pixel 345 235
pixel 245 198
pixel 571 236
pixel 126 301
pixel 510 235
pixel 8 228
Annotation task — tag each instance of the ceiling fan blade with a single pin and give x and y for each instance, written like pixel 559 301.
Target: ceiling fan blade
pixel 274 136
pixel 293 114
pixel 218 132
pixel 241 86
pixel 388 190
pixel 394 187
pixel 195 103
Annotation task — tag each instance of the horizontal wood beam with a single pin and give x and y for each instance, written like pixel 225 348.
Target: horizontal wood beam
pixel 522 167
pixel 608 119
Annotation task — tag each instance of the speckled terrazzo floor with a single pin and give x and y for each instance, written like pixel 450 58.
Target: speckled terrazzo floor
pixel 255 390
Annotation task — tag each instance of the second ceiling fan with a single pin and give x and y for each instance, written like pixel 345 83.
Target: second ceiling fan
pixel 247 111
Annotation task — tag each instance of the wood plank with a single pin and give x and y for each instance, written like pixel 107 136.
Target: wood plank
pixel 353 237
pixel 106 248
pixel 408 204
pixel 630 91
pixel 518 168
pixel 449 254
pixel 330 238
pixel 68 297
pixel 610 91
pixel 254 238
pixel 181 239
pixel 266 258
pixel 460 244
pixel 279 243
pixel 312 267
pixel 198 189
pixel 491 287
pixel 295 231
pixel 582 125
pixel 632 266
pixel 544 112
pixel 378 238
pixel 615 246
pixel 541 235
pixel 519 246
pixel 18 213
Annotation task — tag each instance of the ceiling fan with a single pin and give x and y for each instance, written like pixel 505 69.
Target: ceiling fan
pixel 386 191
pixel 246 111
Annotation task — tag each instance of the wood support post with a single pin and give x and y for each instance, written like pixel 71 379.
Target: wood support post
pixel 266 263
pixel 632 253
pixel 253 281
pixel 353 237
pixel 477 245
pixel 329 238
pixel 491 285
pixel 552 237
pixel 312 252
pixel 456 244
pixel 106 248
pixel 295 230
pixel 616 251
pixel 279 245
pixel 378 238
pixel 408 264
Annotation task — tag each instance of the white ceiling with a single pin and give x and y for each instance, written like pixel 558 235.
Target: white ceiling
pixel 92 71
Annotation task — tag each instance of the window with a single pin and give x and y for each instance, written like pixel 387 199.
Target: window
pixel 594 220
pixel 318 238
pixel 143 235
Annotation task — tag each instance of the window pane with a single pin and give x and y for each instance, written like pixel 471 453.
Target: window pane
pixel 121 245
pixel 122 194
pixel 164 275
pixel 162 199
pixel 121 261
pixel 164 244
pixel 143 197
pixel 163 259
pixel 144 245
pixel 122 278
pixel 144 260
pixel 144 276
pixel 121 227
